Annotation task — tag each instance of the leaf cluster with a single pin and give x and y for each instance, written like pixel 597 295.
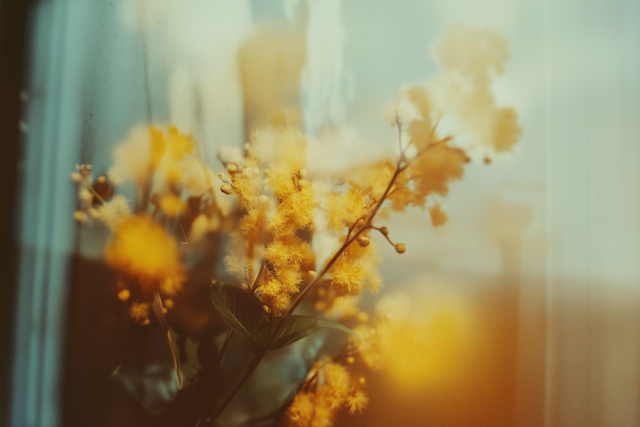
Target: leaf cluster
pixel 259 333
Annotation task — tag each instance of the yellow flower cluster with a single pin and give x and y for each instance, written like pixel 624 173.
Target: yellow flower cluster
pixel 329 388
pixel 141 248
pixel 143 253
pixel 166 162
pixel 356 268
pixel 471 57
pixel 281 150
pixel 438 217
pixel 367 345
pixel 284 257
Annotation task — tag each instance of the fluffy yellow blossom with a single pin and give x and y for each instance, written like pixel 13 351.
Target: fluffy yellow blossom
pixel 172 205
pixel 177 147
pixel 295 210
pixel 367 346
pixel 247 183
pixel 337 384
pixel 471 57
pixel 507 131
pixel 133 157
pixel 284 252
pixel 329 389
pixel 438 217
pixel 202 225
pixel 236 265
pixel 196 179
pixel 344 208
pixel 433 170
pixel 302 409
pixel 372 180
pixel 355 269
pixel 114 211
pixel 357 401
pixel 284 257
pixel 158 145
pixel 141 248
pixel 420 131
pixel 281 150
pixel 140 312
pixel 167 158
pixel 253 223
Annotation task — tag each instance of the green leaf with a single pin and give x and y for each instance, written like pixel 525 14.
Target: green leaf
pixel 297 327
pixel 243 314
pixel 186 349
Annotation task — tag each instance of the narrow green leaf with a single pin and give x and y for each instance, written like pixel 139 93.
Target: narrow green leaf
pixel 297 327
pixel 186 349
pixel 242 313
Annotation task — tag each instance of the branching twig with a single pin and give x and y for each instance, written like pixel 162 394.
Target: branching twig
pixel 355 230
pixel 367 224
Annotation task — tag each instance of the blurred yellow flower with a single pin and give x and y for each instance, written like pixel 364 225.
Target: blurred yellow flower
pixel 438 217
pixel 141 248
pixel 172 205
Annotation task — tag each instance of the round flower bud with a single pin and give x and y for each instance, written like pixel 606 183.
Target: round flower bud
pixel 400 248
pixel 85 195
pixel 232 169
pixel 80 216
pixel 363 241
pixel 226 189
pixel 124 295
pixel 384 230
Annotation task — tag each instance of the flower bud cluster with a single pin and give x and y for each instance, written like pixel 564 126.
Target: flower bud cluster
pixel 244 180
pixel 82 178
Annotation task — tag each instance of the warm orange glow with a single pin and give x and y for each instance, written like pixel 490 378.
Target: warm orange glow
pixel 427 341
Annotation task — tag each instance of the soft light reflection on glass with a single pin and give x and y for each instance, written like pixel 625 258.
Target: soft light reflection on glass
pixel 521 311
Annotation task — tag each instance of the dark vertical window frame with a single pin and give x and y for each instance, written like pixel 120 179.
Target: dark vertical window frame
pixel 13 25
pixel 42 228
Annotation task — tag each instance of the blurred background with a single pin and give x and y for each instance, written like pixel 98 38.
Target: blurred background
pixel 526 303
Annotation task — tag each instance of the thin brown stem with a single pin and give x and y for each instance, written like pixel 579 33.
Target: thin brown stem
pixel 97 196
pixel 169 340
pixel 175 359
pixel 386 236
pixel 252 367
pixel 353 226
pixel 224 347
pixel 280 323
